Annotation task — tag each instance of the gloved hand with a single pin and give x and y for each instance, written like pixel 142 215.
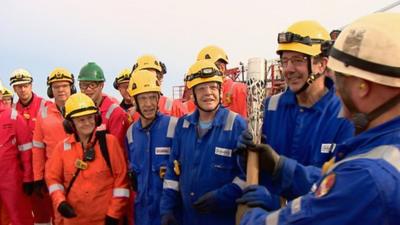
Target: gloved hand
pixel 168 219
pixel 39 187
pixel 206 203
pixel 27 187
pixel 267 155
pixel 66 210
pixel 133 180
pixel 258 196
pixel 111 221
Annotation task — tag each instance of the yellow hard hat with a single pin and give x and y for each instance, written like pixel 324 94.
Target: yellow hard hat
pixel 143 81
pixel 123 76
pixel 149 62
pixel 214 53
pixel 369 48
pixel 79 104
pixel 60 74
pixel 203 71
pixel 20 76
pixel 304 36
pixel 7 93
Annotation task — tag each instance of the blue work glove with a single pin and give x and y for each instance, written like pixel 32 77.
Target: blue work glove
pixel 258 196
pixel 207 203
pixel 66 210
pixel 269 159
pixel 168 219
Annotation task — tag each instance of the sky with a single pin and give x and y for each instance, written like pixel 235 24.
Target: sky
pixel 41 35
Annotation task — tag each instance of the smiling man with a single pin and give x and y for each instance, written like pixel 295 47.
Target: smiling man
pixel 203 179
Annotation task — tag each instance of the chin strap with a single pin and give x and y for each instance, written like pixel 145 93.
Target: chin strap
pixel 361 120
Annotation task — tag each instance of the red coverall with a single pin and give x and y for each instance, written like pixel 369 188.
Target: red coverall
pixel 96 191
pixel 234 96
pixel 48 132
pixel 15 166
pixel 170 107
pixel 41 209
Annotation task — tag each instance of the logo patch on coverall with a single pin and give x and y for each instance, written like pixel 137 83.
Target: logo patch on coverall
pixel 223 152
pixel 163 151
pixel 326 185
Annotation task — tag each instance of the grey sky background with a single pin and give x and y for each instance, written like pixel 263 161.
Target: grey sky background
pixel 40 35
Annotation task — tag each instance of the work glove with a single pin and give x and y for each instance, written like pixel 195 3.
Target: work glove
pixel 27 187
pixel 268 157
pixel 111 221
pixel 39 188
pixel 207 203
pixel 258 196
pixel 66 210
pixel 133 180
pixel 168 219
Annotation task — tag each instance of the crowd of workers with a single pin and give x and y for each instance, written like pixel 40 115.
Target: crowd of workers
pixel 329 152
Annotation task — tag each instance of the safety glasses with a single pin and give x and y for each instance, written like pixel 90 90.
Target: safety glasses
pixel 91 85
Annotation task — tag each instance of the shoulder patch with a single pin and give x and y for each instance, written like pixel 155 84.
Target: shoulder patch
pixel 326 185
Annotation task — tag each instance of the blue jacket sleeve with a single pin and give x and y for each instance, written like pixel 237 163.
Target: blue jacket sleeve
pixel 356 193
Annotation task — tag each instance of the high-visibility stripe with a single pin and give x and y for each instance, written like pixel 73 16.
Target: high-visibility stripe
pixel 185 124
pixel 120 192
pixel 111 110
pixel 239 182
pixel 273 102
pixel 42 223
pixel 168 104
pixel 38 144
pixel 67 146
pixel 129 134
pixel 14 114
pixel 273 218
pixel 44 112
pixel 171 184
pixel 171 127
pixel 389 153
pixel 25 147
pixel 56 187
pixel 296 205
pixel 230 121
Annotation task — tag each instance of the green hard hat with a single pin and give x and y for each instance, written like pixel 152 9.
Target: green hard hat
pixel 91 72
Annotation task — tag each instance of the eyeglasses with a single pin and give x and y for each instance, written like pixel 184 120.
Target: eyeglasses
pixel 91 85
pixel 295 60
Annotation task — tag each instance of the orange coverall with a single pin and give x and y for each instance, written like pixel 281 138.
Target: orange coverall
pixel 96 191
pixel 234 96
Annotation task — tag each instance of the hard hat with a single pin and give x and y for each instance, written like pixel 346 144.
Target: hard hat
pixel 149 62
pixel 1 87
pixel 143 81
pixel 305 37
pixel 214 53
pixel 20 76
pixel 369 48
pixel 123 76
pixel 79 104
pixel 60 74
pixel 203 71
pixel 7 93
pixel 91 72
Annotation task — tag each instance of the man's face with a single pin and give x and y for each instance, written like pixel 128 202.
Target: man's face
pixel 7 101
pixel 295 69
pixel 221 66
pixel 61 90
pixel 123 90
pixel 92 89
pixel 345 89
pixel 148 104
pixel 207 95
pixel 24 91
pixel 85 125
